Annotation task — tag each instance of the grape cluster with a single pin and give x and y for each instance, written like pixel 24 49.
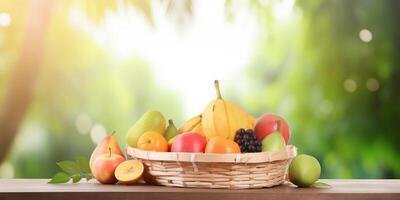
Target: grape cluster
pixel 247 141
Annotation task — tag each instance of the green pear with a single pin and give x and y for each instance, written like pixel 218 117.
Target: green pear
pixel 274 141
pixel 304 170
pixel 150 121
pixel 171 131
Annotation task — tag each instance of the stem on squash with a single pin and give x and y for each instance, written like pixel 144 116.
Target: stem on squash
pixel 170 122
pixel 278 125
pixel 216 85
pixel 113 132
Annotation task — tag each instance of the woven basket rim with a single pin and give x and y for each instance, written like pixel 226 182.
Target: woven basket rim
pixel 289 153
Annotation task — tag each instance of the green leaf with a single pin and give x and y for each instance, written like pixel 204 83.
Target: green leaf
pixel 60 177
pixel 76 178
pixel 70 167
pixel 88 176
pixel 83 164
pixel 320 184
pixel 75 170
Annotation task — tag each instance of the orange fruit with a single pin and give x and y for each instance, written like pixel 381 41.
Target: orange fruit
pixel 129 171
pixel 152 141
pixel 220 144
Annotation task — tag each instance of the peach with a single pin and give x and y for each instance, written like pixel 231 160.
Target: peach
pixel 104 166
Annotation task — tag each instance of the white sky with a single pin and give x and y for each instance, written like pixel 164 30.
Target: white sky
pixel 185 61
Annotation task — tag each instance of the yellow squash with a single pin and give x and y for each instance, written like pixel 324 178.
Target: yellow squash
pixel 252 120
pixel 223 118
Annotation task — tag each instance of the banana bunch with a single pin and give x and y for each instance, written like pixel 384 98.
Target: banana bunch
pixel 220 118
pixel 192 125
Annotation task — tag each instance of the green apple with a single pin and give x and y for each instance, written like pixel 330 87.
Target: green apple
pixel 150 121
pixel 304 170
pixel 273 142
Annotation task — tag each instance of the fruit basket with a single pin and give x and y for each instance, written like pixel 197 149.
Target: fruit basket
pixel 208 170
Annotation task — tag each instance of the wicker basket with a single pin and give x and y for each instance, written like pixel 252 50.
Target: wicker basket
pixel 199 170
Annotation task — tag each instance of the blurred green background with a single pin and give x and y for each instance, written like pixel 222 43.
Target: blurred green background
pixel 73 71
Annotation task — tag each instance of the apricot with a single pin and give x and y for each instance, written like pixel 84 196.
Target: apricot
pixel 129 172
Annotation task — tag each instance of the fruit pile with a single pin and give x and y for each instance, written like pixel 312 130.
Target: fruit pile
pixel 223 127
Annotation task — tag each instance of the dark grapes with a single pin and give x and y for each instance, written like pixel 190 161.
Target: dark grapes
pixel 248 141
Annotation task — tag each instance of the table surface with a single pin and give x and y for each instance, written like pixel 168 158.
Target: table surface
pixel 341 189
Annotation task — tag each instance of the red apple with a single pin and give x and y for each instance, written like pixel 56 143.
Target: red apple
pixel 189 142
pixel 267 124
pixel 104 166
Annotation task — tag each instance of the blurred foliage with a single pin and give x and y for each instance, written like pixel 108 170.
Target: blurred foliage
pixel 304 65
pixel 299 70
pixel 78 77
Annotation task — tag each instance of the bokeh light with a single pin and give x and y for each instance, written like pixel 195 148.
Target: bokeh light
pixel 350 85
pixel 372 84
pixel 365 35
pixel 5 19
pixel 97 133
pixel 83 123
pixel 6 170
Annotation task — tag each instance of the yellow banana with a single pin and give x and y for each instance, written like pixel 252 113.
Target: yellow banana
pixel 190 124
pixel 198 129
pixel 223 118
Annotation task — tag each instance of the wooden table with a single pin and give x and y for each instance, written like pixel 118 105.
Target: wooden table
pixel 341 189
